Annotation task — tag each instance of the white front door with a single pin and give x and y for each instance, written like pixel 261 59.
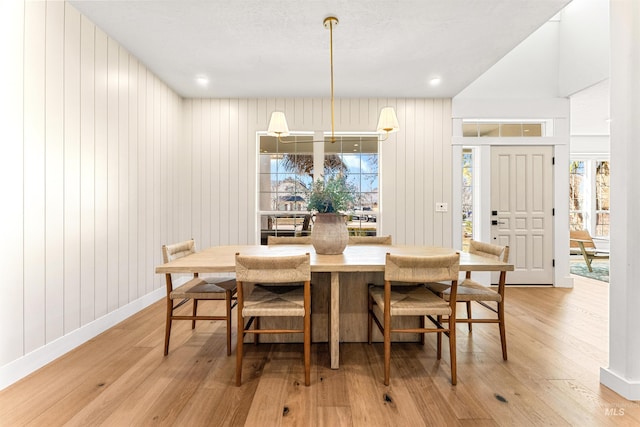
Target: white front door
pixel 522 210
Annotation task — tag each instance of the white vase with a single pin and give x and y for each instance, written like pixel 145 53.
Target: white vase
pixel 329 235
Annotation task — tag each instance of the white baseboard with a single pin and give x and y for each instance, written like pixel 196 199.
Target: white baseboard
pixel 630 390
pixel 564 282
pixel 20 368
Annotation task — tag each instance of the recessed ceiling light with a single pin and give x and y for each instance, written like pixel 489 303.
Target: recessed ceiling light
pixel 435 81
pixel 202 80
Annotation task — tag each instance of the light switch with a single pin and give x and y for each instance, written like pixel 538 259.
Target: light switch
pixel 441 207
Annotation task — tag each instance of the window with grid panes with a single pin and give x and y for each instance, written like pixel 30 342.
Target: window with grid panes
pixel 356 158
pixel 286 172
pixel 589 196
pixel 467 197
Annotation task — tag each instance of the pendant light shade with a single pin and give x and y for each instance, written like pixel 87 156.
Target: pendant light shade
pixel 388 121
pixel 278 125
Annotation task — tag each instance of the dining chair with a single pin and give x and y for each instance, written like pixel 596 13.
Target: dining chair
pixel 370 240
pixel 409 297
pixel 471 291
pixel 196 289
pixel 288 240
pixel 284 290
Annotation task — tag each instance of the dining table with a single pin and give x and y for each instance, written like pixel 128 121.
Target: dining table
pixel 354 269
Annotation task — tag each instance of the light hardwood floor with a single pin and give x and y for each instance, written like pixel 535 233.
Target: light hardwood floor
pixel 557 341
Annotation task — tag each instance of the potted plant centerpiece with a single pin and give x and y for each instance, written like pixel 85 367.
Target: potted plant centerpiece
pixel 330 200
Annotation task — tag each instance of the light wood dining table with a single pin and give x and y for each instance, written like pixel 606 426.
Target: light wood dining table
pixel 355 259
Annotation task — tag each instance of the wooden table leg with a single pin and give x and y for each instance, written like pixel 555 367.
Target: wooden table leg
pixel 334 321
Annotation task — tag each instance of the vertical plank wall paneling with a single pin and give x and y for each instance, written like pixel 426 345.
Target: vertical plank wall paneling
pixel 228 202
pixel 71 200
pixel 411 213
pixel 12 170
pixel 87 170
pixel 398 171
pixel 34 178
pixel 419 172
pixel 414 163
pixel 122 138
pixel 93 135
pixel 132 188
pixel 205 190
pixel 196 171
pixel 100 173
pixel 112 174
pixel 54 171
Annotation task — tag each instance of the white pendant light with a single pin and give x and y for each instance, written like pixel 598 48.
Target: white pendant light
pixel 278 125
pixel 388 122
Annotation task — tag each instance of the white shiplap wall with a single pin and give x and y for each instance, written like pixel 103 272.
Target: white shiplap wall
pixel 88 172
pixel 220 134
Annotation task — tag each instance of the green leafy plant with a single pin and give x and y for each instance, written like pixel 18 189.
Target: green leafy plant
pixel 333 196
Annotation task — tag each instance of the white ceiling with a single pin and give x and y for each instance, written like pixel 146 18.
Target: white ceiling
pixel 279 48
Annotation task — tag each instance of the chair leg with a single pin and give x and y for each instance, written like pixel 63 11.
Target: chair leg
pixel 307 349
pixel 422 327
pixel 240 333
pixel 195 312
pixel 387 353
pixel 452 350
pixel 469 314
pixel 503 330
pixel 439 340
pixel 227 299
pixel 167 328
pixel 369 314
pixel 387 342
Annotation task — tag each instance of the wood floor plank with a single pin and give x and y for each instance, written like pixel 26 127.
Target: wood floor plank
pixel 418 387
pixel 362 364
pixel 96 387
pixel 269 405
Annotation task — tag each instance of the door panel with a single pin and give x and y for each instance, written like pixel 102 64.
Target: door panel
pixel 522 193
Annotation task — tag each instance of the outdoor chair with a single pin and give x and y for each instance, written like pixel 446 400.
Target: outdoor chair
pixel 581 242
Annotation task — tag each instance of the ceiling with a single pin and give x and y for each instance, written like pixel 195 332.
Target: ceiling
pixel 279 48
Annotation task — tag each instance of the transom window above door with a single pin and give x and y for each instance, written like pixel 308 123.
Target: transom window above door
pixel 505 129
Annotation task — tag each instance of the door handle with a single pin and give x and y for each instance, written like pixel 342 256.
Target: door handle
pixel 496 222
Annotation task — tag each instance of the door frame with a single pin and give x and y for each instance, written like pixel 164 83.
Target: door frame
pixel 482 228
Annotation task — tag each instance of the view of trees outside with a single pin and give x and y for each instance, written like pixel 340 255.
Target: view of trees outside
pixel 287 170
pixel 589 194
pixel 602 198
pixel 359 155
pixel 286 178
pixel 286 174
pixel 577 190
pixel 467 198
